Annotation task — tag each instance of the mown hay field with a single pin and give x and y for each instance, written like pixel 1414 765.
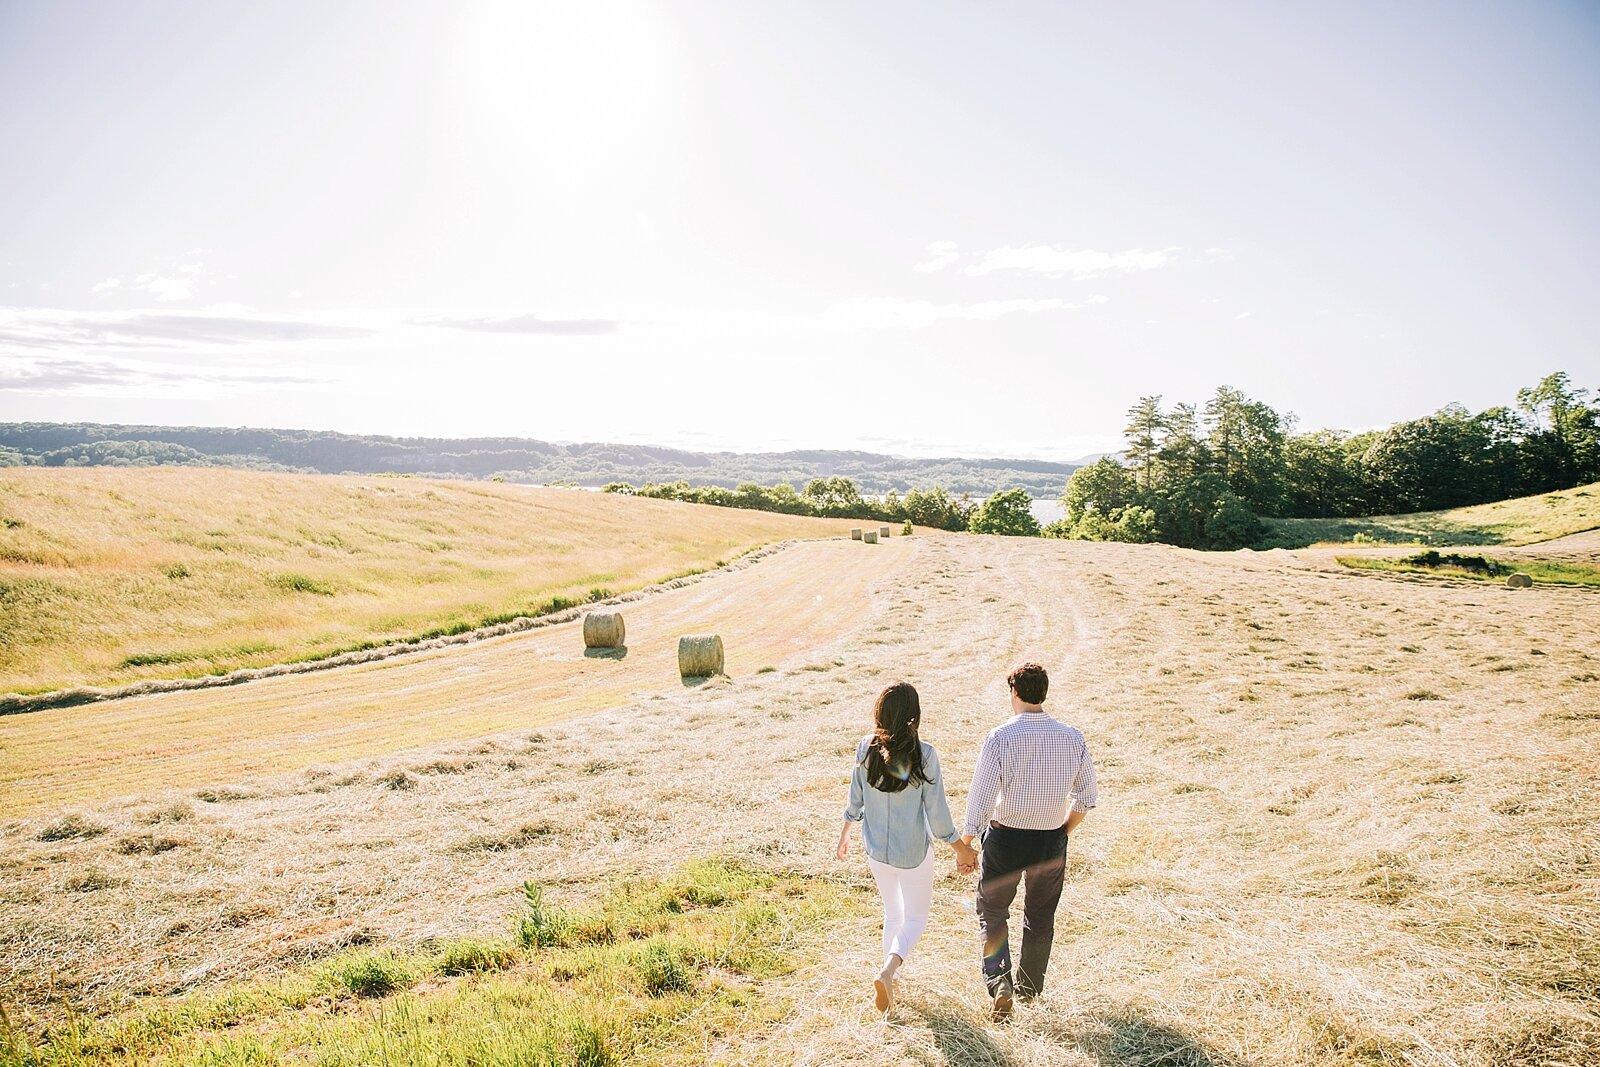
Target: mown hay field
pixel 112 575
pixel 1345 818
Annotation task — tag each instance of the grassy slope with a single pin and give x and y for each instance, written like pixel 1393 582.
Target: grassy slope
pixel 111 575
pixel 1543 572
pixel 661 971
pixel 1507 522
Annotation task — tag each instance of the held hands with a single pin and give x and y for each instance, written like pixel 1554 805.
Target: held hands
pixel 966 857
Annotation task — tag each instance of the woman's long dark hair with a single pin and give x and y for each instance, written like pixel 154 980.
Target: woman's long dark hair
pixel 894 759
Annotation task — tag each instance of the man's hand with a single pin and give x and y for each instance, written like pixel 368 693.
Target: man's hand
pixel 966 857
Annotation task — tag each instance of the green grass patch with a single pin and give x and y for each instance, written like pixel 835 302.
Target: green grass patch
pixel 1522 521
pixel 300 583
pixel 158 659
pixel 370 975
pixel 655 970
pixel 1480 568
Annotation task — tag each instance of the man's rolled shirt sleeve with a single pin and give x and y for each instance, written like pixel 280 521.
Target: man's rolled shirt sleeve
pixel 985 788
pixel 1084 793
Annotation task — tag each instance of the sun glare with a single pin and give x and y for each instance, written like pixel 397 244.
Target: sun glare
pixel 578 83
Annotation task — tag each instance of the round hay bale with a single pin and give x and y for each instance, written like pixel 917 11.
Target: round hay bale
pixel 603 629
pixel 1519 581
pixel 699 655
pixel 883 531
pixel 855 533
pixel 870 537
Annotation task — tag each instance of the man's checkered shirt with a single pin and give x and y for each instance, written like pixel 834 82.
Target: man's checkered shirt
pixel 1031 772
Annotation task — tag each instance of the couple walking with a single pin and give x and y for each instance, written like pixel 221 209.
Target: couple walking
pixel 1031 787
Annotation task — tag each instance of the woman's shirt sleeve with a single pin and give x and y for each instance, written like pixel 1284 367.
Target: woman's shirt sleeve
pixel 935 803
pixel 858 788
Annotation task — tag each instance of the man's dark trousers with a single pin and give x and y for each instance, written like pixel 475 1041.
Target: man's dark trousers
pixel 1009 856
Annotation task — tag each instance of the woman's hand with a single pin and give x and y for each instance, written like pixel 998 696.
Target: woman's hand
pixel 843 850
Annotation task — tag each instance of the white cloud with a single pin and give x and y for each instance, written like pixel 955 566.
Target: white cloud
pixel 104 377
pixel 106 286
pixel 1241 315
pixel 228 326
pixel 889 313
pixel 524 324
pixel 164 288
pixel 940 255
pixel 1057 262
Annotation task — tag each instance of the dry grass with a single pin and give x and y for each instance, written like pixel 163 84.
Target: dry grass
pixel 202 737
pixel 1292 863
pixel 1522 521
pixel 112 575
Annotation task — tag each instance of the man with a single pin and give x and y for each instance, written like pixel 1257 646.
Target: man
pixel 1031 788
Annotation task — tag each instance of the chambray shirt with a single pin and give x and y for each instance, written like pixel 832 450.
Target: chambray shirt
pixel 896 827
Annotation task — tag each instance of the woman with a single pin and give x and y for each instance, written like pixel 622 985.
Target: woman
pixel 897 795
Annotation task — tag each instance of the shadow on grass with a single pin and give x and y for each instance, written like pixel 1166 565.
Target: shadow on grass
pixel 1128 1039
pixel 692 681
pixel 960 1042
pixel 606 653
pixel 1120 1039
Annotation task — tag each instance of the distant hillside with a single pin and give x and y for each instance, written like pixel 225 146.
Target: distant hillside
pixel 512 458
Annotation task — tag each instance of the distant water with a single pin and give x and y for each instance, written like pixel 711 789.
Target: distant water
pixel 1047 511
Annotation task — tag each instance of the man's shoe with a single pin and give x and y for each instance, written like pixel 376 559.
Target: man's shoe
pixel 1002 1004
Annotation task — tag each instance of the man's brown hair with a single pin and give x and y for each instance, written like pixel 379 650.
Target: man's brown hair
pixel 1030 682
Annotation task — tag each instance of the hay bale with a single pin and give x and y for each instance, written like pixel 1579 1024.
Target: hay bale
pixel 855 533
pixel 883 532
pixel 870 537
pixel 699 655
pixel 1519 581
pixel 603 629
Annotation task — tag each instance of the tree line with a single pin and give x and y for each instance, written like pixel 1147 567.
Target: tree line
pixel 1203 477
pixel 831 497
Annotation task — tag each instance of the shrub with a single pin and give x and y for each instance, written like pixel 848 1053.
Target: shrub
pixel 540 925
pixel 1008 513
pixel 906 531
pixel 1232 524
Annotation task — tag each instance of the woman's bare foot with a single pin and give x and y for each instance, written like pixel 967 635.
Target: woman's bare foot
pixel 883 985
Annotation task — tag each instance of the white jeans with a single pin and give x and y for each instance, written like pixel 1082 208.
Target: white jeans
pixel 907 895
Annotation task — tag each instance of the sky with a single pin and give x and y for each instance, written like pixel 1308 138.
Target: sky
pixel 927 228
